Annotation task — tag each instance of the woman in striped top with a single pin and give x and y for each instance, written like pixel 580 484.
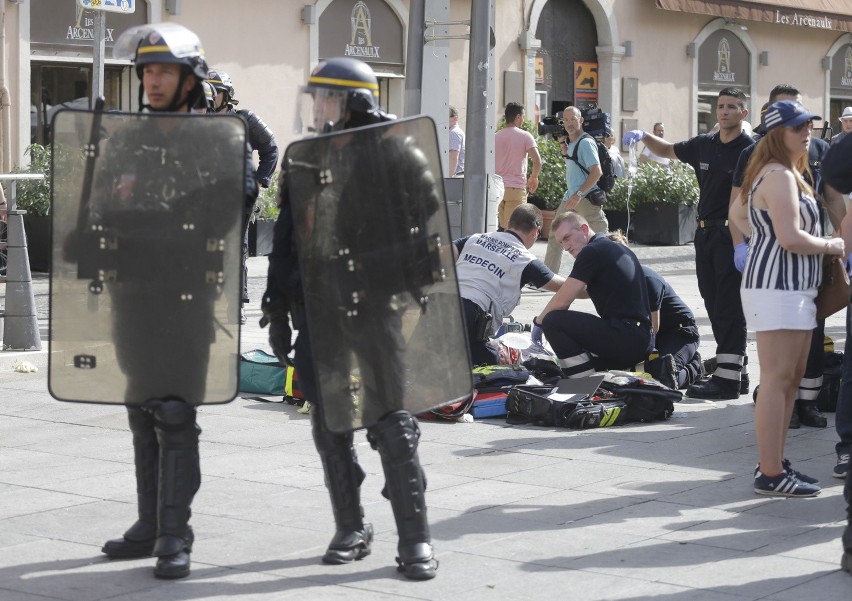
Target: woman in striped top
pixel 780 281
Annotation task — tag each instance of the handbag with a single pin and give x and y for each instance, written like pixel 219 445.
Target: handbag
pixel 833 293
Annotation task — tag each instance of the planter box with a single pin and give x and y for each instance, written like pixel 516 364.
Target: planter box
pixel 37 229
pixel 664 223
pixel 260 237
pixel 617 220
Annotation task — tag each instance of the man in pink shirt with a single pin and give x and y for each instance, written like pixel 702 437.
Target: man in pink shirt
pixel 511 148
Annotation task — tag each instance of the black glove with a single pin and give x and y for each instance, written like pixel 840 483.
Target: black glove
pixel 280 339
pixel 277 317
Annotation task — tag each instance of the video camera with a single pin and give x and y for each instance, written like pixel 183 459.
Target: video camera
pixel 595 123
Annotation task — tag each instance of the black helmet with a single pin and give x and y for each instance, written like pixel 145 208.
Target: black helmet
pixel 206 100
pixel 336 86
pixel 221 82
pixel 352 76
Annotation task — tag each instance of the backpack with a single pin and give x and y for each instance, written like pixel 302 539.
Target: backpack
pixel 607 179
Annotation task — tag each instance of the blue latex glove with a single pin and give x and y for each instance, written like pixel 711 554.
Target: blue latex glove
pixel 849 265
pixel 740 254
pixel 537 333
pixel 635 135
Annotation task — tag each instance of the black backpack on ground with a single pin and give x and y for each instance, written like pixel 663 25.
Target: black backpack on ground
pixel 607 180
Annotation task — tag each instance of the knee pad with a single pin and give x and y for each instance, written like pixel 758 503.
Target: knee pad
pixel 173 414
pixel 395 436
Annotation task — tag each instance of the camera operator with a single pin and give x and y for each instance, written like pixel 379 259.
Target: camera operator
pixel 581 176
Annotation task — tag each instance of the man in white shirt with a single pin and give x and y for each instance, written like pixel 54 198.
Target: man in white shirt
pixel 456 144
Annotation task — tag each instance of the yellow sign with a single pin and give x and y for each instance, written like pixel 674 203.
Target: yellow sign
pixel 539 69
pixel 585 77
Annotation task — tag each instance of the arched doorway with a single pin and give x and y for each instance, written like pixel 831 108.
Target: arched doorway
pixel 567 63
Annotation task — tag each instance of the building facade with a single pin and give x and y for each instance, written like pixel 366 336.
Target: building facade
pixel 642 61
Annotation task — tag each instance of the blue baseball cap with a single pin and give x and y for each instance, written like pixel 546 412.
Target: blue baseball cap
pixel 786 113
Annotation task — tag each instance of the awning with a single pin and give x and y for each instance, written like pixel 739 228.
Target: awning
pixel 833 15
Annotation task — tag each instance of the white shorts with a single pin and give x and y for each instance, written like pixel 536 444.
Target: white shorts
pixel 767 310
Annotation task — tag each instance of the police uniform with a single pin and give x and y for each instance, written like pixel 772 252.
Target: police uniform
pixel 376 335
pixel 164 184
pixel 678 334
pixel 491 270
pixel 718 279
pixel 621 337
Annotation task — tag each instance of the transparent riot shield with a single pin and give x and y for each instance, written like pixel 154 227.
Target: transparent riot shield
pixel 381 299
pixel 145 274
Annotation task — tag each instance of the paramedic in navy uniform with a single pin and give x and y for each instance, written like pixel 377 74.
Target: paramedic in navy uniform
pixel 714 156
pixel 779 283
pixel 613 279
pixel 492 269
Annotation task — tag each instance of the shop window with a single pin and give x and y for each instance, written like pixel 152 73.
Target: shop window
pixel 58 85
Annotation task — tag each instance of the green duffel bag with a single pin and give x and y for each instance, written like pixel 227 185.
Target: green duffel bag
pixel 262 373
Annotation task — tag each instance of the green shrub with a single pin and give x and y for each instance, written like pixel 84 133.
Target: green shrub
pixel 266 208
pixel 34 196
pixel 655 183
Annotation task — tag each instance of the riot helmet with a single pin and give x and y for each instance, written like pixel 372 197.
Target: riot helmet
pixel 205 102
pixel 221 82
pixel 342 93
pixel 164 43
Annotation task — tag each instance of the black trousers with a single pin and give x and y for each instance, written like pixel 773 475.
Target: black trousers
pixel 480 353
pixel 680 343
pixel 585 343
pixel 719 285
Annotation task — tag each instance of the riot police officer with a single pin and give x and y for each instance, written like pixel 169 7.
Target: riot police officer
pixel 343 93
pixel 260 138
pixel 164 323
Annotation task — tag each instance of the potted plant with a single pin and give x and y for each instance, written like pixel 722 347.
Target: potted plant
pixel 263 220
pixel 662 202
pixel 551 181
pixel 34 198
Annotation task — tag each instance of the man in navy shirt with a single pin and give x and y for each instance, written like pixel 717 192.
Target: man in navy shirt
pixel 714 157
pixel 611 276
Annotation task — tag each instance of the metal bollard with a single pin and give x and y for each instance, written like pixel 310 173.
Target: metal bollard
pixel 21 324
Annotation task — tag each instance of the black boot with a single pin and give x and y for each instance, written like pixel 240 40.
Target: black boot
pixel 795 424
pixel 396 437
pixel 714 388
pixel 343 478
pixel 139 539
pixel 810 415
pixel 180 478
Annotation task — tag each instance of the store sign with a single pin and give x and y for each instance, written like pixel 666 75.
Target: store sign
pixel 59 23
pixel 723 61
pixel 368 30
pixel 116 6
pixel 841 70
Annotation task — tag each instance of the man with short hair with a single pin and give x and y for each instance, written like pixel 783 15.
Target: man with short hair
pixel 456 144
pixel 582 172
pixel 617 159
pixel 837 181
pixel 649 157
pixel 491 270
pixel 611 276
pixel 714 156
pixel 512 147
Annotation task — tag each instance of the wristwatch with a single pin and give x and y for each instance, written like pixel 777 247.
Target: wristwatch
pixel 580 194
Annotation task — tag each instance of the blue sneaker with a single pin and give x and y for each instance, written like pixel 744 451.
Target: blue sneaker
pixel 788 467
pixel 784 484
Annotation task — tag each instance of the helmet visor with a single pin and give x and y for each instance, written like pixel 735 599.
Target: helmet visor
pixel 319 110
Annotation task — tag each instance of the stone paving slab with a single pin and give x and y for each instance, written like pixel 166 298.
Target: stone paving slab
pixel 662 511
